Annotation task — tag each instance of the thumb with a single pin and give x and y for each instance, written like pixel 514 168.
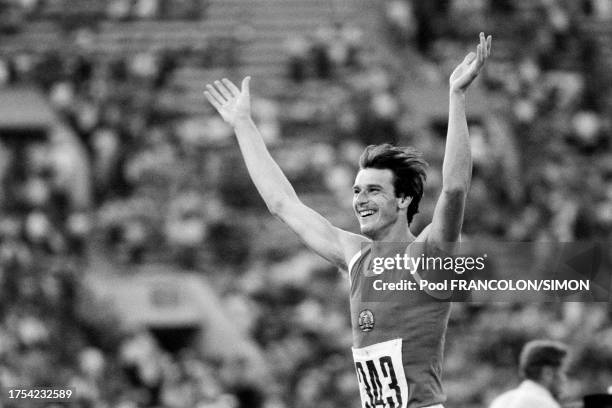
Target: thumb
pixel 245 86
pixel 469 58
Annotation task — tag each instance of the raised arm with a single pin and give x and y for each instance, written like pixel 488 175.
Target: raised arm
pixel 332 243
pixel 457 166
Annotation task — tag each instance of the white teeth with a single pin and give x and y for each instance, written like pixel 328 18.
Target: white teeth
pixel 365 213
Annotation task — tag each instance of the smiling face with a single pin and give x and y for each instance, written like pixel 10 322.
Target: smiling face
pixel 374 202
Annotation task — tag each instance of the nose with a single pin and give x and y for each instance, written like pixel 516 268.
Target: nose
pixel 361 198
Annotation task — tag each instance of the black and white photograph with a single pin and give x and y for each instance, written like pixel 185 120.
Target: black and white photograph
pixel 306 203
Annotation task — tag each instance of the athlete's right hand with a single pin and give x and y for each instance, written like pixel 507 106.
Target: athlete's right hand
pixel 232 103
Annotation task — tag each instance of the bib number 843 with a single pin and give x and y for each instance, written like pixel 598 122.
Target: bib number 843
pixel 378 379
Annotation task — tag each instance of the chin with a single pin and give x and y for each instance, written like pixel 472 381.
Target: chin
pixel 369 231
pixel 367 234
pixel 365 229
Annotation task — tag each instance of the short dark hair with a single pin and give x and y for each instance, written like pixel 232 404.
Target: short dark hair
pixel 538 354
pixel 408 169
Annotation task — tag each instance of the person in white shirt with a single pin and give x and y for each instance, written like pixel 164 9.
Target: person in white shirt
pixel 542 365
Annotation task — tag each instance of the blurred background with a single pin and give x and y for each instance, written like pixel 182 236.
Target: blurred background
pixel 138 263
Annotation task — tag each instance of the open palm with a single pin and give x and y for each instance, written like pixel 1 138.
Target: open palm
pixel 468 70
pixel 231 103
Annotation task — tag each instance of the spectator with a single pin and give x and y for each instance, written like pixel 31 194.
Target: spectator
pixel 402 21
pixel 297 49
pixel 542 365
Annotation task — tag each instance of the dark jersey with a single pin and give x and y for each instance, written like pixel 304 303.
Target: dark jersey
pixel 398 337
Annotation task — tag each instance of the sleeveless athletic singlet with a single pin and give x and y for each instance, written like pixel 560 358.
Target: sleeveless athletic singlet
pixel 398 338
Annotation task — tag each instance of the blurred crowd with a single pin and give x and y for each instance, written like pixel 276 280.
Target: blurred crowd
pixel 136 178
pixel 18 12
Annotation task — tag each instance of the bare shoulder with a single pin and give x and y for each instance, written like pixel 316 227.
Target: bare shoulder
pixel 420 243
pixel 430 246
pixel 351 245
pixel 434 246
pixel 423 235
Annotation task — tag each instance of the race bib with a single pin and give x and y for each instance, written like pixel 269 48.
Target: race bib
pixel 380 373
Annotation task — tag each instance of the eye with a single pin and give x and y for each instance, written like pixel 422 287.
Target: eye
pixel 355 191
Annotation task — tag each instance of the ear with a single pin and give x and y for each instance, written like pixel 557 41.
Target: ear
pixel 404 202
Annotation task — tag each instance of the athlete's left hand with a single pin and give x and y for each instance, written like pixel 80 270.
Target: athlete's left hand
pixel 468 70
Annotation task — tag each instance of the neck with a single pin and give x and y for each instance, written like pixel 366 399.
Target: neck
pixel 397 232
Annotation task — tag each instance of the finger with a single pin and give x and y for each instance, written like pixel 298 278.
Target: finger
pixel 489 42
pixel 469 58
pixel 212 100
pixel 215 94
pixel 232 88
pixel 246 85
pixel 479 59
pixel 483 47
pixel 227 94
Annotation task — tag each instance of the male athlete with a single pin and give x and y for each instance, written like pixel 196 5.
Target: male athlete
pixel 397 346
